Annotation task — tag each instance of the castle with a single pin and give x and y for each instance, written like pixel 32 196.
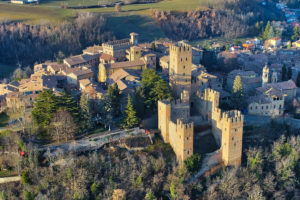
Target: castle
pixel 174 118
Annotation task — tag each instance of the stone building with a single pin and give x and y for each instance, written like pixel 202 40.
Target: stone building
pixel 270 104
pixel 117 48
pixel 250 80
pixel 180 68
pixel 82 60
pixel 178 130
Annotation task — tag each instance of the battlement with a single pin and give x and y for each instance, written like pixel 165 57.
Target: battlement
pixel 182 125
pixel 180 47
pixel 217 111
pixel 210 92
pixel 116 43
pixel 233 116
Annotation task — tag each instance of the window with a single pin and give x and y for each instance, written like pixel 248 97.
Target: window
pixel 262 107
pixel 187 138
pixel 274 106
pixel 232 138
pixel 251 108
pixel 181 59
pixel 235 129
pixel 280 106
pixel 183 66
pixel 186 59
pixel 256 107
pixel 267 107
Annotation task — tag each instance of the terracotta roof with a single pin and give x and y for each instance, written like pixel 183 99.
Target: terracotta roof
pixel 121 85
pixel 79 59
pixel 122 73
pixel 107 57
pixel 82 72
pixel 127 64
pixel 286 85
pixel 165 59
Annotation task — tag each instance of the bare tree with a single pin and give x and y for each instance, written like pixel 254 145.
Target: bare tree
pixel 63 125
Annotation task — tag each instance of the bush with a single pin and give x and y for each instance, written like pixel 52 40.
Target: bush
pixel 25 179
pixel 193 163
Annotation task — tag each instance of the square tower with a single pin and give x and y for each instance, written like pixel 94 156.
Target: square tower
pixel 180 70
pixel 232 137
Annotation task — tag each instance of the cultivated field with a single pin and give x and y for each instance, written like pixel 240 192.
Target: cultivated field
pixel 50 11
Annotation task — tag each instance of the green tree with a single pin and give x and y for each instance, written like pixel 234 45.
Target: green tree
pixel 298 80
pixel 283 73
pixel 265 34
pixel 69 103
pixel 153 46
pixel 25 179
pixel 150 195
pixel 44 108
pixel 95 189
pixel 296 33
pixel 153 88
pixel 114 98
pixel 271 33
pixel 193 163
pixel 289 73
pixel 85 112
pixel 130 119
pixel 237 99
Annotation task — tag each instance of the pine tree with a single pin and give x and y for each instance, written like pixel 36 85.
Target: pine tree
pixel 289 73
pixel 266 31
pixel 85 111
pixel 298 80
pixel 130 119
pixel 237 98
pixel 44 108
pixel 283 73
pixel 114 98
pixel 69 103
pixel 271 33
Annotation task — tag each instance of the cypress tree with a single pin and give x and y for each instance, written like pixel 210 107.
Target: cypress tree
pixel 130 119
pixel 289 73
pixel 298 80
pixel 237 93
pixel 85 111
pixel 114 99
pixel 266 31
pixel 283 73
pixel 69 103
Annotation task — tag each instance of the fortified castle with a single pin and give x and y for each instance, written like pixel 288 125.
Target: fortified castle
pixel 174 118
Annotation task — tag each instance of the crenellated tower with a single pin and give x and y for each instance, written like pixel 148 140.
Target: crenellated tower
pixel 164 117
pixel 180 70
pixel 232 137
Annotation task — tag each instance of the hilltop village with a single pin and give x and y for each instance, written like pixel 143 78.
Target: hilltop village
pixel 200 98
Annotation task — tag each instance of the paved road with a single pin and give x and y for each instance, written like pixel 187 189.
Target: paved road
pixel 90 143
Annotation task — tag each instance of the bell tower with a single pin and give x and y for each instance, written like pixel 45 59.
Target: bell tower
pixel 265 75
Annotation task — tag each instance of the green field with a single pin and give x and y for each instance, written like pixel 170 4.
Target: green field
pixel 50 11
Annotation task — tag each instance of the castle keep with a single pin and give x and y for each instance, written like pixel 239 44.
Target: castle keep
pixel 174 118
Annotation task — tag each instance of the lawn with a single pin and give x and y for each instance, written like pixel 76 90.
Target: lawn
pixel 34 14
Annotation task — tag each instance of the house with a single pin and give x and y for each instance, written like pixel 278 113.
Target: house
pixel 235 48
pixel 76 76
pixel 164 64
pixel 197 55
pixel 250 80
pixel 113 67
pixel 288 88
pixel 17 100
pixel 91 89
pixel 127 80
pixel 25 1
pixel 203 80
pixel 93 50
pixel 270 103
pixel 273 43
pixel 81 60
pixel 107 59
pixel 296 44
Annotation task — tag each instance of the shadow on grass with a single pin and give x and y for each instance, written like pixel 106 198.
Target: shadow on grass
pixel 122 26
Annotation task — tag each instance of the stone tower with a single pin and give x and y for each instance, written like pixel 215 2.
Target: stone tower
pixel 184 142
pixel 232 137
pixel 164 117
pixel 102 76
pixel 265 75
pixel 134 38
pixel 274 77
pixel 180 70
pixel 135 53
